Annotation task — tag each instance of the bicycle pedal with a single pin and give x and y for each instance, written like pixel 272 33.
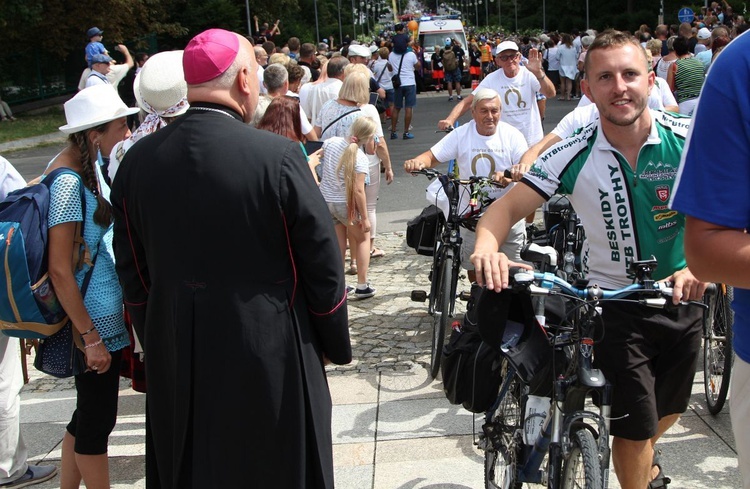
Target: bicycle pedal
pixel 418 295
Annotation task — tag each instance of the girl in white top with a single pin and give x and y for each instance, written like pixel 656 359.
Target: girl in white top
pixel 345 173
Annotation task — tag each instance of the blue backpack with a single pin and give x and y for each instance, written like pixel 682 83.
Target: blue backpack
pixel 29 307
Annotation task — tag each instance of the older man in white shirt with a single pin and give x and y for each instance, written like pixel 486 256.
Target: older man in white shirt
pixel 313 95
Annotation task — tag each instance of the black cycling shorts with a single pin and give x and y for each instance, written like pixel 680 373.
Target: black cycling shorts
pixel 650 356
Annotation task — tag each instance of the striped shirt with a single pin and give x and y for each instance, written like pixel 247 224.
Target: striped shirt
pixel 688 79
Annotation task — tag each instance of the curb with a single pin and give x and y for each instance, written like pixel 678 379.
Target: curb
pixel 26 143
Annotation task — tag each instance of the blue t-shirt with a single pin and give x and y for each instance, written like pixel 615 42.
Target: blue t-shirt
pixel 103 298
pixel 93 48
pixel 713 184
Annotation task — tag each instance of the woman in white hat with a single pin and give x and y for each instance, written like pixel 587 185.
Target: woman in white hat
pixel 97 120
pixel 161 93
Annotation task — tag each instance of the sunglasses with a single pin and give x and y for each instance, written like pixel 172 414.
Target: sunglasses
pixel 506 57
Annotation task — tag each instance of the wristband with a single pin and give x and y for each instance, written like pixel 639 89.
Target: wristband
pixel 544 75
pixel 91 345
pixel 93 328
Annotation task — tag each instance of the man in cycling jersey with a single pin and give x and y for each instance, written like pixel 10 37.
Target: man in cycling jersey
pixel 619 174
pixel 483 147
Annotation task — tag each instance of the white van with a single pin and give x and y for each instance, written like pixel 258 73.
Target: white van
pixel 433 31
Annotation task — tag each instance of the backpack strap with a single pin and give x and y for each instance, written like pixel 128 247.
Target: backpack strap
pixel 78 259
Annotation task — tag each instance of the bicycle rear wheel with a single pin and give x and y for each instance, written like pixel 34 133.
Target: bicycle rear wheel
pixel 717 350
pixel 582 468
pixel 441 316
pixel 500 460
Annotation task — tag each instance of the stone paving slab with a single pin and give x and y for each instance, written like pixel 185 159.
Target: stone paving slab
pixel 392 426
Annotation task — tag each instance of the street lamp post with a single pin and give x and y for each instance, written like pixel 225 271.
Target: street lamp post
pixel 515 6
pixel 317 28
pixel 544 15
pixel 354 25
pixel 587 14
pixel 247 10
pixel 341 31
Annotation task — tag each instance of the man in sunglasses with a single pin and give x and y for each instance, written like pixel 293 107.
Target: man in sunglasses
pixel 517 86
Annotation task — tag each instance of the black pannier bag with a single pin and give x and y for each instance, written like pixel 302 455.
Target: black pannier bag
pixel 471 369
pixel 422 231
pixel 554 209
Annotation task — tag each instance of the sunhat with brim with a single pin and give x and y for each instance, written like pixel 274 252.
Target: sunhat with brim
pixel 161 84
pixel 92 107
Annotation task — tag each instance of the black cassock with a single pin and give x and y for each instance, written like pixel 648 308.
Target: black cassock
pixel 231 271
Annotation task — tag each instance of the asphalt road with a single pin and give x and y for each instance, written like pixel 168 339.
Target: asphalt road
pixel 398 202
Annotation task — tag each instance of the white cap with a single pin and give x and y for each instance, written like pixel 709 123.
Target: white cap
pixel 359 50
pixel 506 46
pixel 704 33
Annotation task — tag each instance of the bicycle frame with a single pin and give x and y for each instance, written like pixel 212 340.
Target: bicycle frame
pixel 567 416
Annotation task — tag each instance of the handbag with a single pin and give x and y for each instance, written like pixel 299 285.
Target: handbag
pixel 396 79
pixel 63 353
pixel 379 102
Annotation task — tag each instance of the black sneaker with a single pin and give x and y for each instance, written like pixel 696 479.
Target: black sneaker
pixel 365 293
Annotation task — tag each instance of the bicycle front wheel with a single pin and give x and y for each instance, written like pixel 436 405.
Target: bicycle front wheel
pixel 500 461
pixel 717 350
pixel 441 317
pixel 582 468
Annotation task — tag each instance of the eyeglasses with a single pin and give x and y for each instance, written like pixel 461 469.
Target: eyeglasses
pixel 506 57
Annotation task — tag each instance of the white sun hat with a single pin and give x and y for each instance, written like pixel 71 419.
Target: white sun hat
pixel 160 85
pixel 92 107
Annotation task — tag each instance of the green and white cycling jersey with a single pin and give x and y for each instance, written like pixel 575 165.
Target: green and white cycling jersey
pixel 624 212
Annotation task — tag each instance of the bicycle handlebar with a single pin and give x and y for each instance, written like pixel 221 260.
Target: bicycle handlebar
pixel 543 284
pixel 431 173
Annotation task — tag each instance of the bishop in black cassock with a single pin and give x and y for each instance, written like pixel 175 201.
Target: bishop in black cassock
pixel 231 271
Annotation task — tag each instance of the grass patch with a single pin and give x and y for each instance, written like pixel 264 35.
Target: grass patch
pixel 30 125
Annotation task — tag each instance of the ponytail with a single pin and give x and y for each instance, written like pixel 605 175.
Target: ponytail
pixel 362 130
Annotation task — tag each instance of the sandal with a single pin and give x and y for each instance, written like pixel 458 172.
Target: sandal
pixel 376 253
pixel 352 269
pixel 661 480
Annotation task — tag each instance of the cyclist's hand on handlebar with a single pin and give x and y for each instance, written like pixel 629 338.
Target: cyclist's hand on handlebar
pixel 414 165
pixel 686 287
pixel 492 269
pixel 517 171
pixel 445 125
pixel 501 179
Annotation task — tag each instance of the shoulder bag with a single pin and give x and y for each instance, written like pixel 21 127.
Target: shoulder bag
pixel 338 119
pixel 396 79
pixel 379 102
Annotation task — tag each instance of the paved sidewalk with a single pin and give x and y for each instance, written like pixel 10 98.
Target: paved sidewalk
pixel 392 426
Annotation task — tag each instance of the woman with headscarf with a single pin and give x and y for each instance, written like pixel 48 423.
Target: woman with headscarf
pixel 161 93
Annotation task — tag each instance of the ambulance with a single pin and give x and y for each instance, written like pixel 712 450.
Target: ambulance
pixel 434 31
